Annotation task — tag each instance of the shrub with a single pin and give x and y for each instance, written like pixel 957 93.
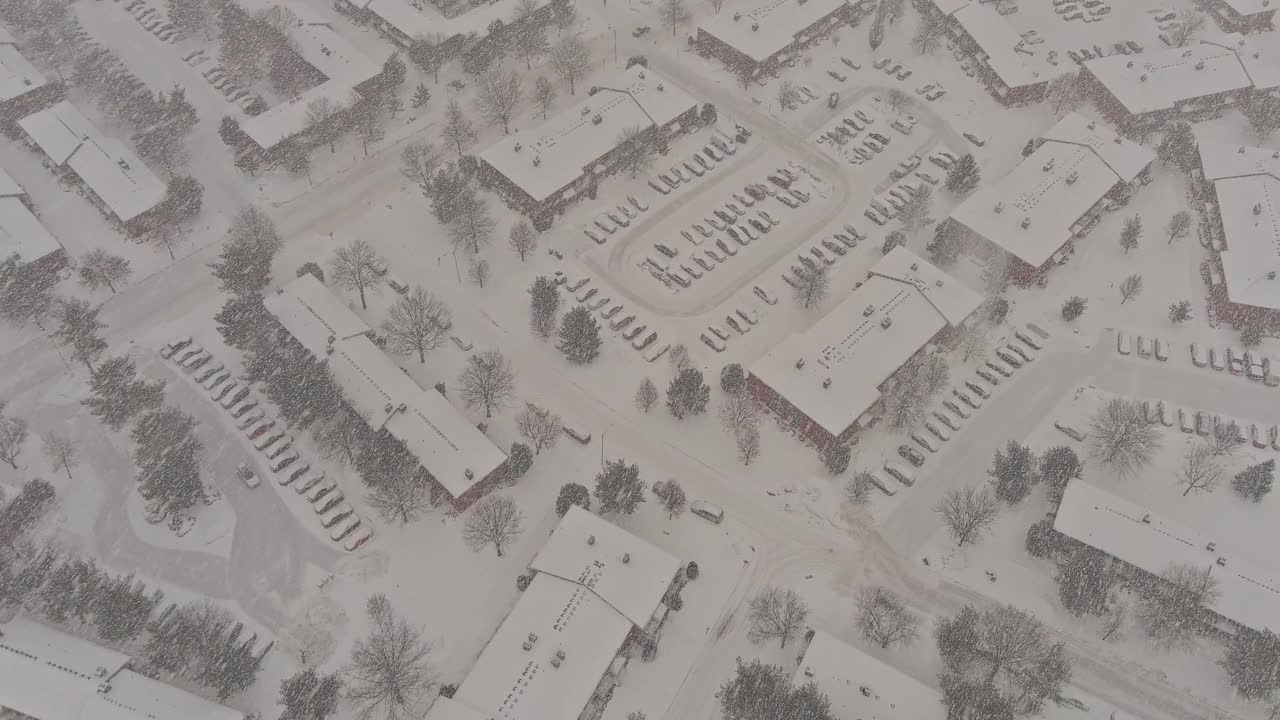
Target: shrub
pixel 691 570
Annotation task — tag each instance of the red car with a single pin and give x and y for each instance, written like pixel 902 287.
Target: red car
pixel 262 429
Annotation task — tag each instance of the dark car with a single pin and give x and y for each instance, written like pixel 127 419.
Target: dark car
pixel 911 455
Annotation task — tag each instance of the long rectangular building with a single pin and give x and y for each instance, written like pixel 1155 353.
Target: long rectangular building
pixel 828 380
pixel 1006 62
pixel 861 687
pixel 757 40
pixel 50 675
pixel 1241 188
pixel 459 458
pixel 542 171
pixel 1248 595
pixel 596 589
pixel 1053 196
pixel 1189 83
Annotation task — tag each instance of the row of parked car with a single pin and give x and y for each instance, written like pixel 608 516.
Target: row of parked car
pixel 1085 10
pixel 271 438
pixel 886 206
pixel 959 406
pixel 632 330
pixel 700 163
pixel 610 221
pixel 1146 347
pixel 1247 363
pixel 1201 423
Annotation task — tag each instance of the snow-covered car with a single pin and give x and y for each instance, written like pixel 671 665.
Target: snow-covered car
pixel 233 398
pixel 279 447
pixel 662 189
pixel 594 237
pixel 331 517
pixel 976 389
pixel 693 168
pixel 267 439
pixel 707 511
pixel 764 214
pixel 320 490
pixel 249 419
pixel 678 172
pixel 901 474
pixel 938 432
pixel 637 203
pixel 293 475
pixel 988 375
pixel 925 442
pixel 911 455
pixel 715 223
pixel 354 540
pixel 216 379
pixel 207 372
pixel 1000 366
pixel 247 476
pixel 703 231
pixel 195 363
pixel 187 353
pixel 283 461
pixel 1009 358
pixel 1024 353
pixel 956 408
pixel 789 201
pixel 1028 340
pixel 327 503
pixel 873 216
pixel 174 345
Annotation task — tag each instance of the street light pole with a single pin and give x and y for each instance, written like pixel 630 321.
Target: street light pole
pixel 606 432
pixel 615 46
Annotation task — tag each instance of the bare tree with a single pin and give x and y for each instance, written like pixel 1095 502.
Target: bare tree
pixel 776 613
pixel 1121 436
pixel 1179 225
pixel 487 381
pixel 522 239
pixel 418 163
pixel 646 395
pixel 530 43
pixel 495 521
pixel 472 224
pixel 497 96
pixel 915 212
pixel 1114 617
pixel 390 672
pixel 884 618
pixel 99 267
pixel 544 94
pixel 571 60
pixel 858 488
pixel 905 401
pixel 673 499
pixel 968 513
pixel 400 497
pixel 786 96
pixel 635 152
pixel 1225 437
pixel 1172 607
pixel 748 444
pixel 974 341
pixel 1062 94
pixel 357 267
pixel 539 426
pixel 60 451
pixel 673 13
pixel 812 283
pixel 416 323
pixel 13 435
pixel 478 271
pixel 1186 27
pixel 927 37
pixel 322 120
pixel 739 413
pixel 716 5
pixel 458 129
pixel 897 99
pixel 1200 472
pixel 678 355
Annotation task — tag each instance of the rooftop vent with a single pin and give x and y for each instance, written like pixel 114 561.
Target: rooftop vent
pixel 808 671
pixel 537 160
pixel 1211 547
pixel 1200 65
pixel 869 309
pixel 1129 64
pixel 1221 561
pixel 1092 125
pixel 1271 275
pixel 826 383
pixel 332 339
pixel 591 539
pixel 468 474
pixel 557 658
pixel 1147 518
pixel 1073 177
pixel 737 16
pixel 1026 222
pixel 1257 208
pixel 1142 77
pixel 886 322
pixel 104 688
pixel 659 87
pixel 102 672
pixel 755 27
pixel 530 642
pixel 1048 165
pixel 937 283
pixel 122 164
pixel 865 690
pixel 800 363
pixel 626 558
pixel 517 147
pixel 915 266
pixel 597 119
pixel 999 207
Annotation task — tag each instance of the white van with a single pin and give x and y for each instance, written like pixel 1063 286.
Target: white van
pixel 707 511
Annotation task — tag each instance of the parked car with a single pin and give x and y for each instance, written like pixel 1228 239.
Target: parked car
pixel 232 398
pixel 911 455
pixel 925 442
pixel 764 214
pixel 208 372
pixel 947 420
pixel 956 408
pixel 174 345
pixel 249 419
pixel 247 476
pixel 988 375
pixel 938 432
pixel 1009 358
pixel 974 139
pixel 356 539
pixel 283 461
pixel 197 361
pixel 901 474
pixel 662 189
pixel 789 201
pixel 707 511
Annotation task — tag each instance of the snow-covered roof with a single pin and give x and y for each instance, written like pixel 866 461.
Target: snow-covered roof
pixel 1247 184
pixel 1008 55
pixel 419 18
pixel 555 154
pixel 449 709
pixel 516 676
pixel 588 550
pixel 114 173
pixel 769 26
pixel 313 315
pixel 445 442
pixel 10 187
pixel 453 450
pixel 343 66
pixel 1247 594
pixel 22 234
pixel 17 76
pixel 49 675
pixel 1030 213
pixel 842 673
pixel 846 356
pixel 1161 79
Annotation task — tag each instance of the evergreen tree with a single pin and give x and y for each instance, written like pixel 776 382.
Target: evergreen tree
pixel 964 176
pixel 579 336
pixel 519 460
pixel 1254 482
pixel 1057 466
pixel 244 265
pixel 944 248
pixel 765 691
pixel 99 267
pixel 1014 472
pixel 732 379
pixel 1180 312
pixel 306 695
pixel 618 488
pixel 1252 663
pixel 58 592
pixel 1178 147
pixel 572 494
pixel 117 394
pixel 1041 540
pixel 1073 307
pixel 1085 582
pixel 393 71
pixel 688 394
pixel 421 96
pixel 26 292
pixel 243 322
pixel 121 610
pixel 78 326
pixel 544 303
pixel 167 454
pixel 1130 233
pixel 837 459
